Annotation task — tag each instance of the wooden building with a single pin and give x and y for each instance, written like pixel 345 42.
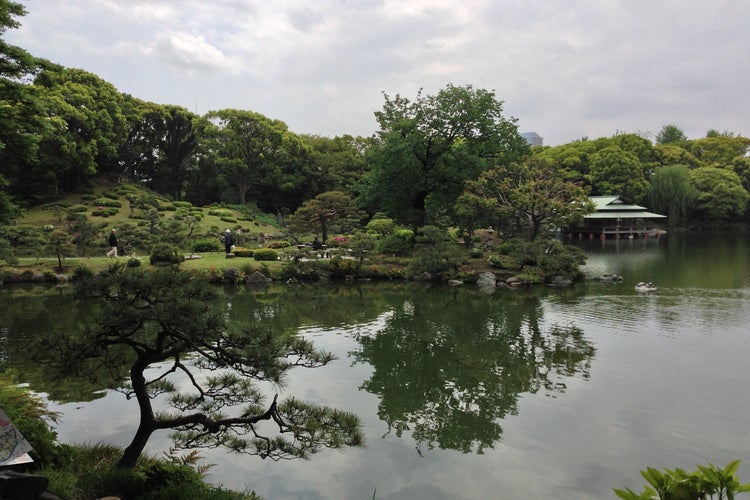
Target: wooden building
pixel 613 218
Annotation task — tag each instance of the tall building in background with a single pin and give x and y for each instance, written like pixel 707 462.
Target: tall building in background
pixel 533 138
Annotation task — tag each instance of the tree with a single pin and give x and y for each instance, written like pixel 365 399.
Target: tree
pixel 670 134
pixel 620 172
pixel 719 151
pixel 161 146
pixel 8 209
pixel 427 148
pixel 322 211
pixel 533 194
pixel 60 245
pixel 720 194
pixel 672 193
pixel 160 325
pixel 23 112
pixel 254 153
pixel 87 129
pixel 339 162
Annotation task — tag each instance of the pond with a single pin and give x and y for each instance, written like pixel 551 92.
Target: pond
pixel 544 393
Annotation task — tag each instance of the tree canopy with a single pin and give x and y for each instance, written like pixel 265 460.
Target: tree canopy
pixel 427 148
pixel 532 194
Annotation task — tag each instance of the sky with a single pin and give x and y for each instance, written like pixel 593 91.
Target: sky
pixel 565 69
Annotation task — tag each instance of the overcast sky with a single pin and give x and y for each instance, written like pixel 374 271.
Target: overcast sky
pixel 565 68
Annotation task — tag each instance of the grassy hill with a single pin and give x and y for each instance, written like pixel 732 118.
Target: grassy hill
pixel 131 208
pixel 109 205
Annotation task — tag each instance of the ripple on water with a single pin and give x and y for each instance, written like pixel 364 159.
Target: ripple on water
pixel 668 312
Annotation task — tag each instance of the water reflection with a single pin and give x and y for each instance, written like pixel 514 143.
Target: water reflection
pixel 449 367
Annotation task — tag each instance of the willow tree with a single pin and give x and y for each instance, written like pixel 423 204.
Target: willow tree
pixel 164 329
pixel 672 193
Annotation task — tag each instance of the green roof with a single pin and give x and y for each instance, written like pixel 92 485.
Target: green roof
pixel 612 207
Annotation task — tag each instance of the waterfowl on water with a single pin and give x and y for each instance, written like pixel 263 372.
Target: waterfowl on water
pixel 645 286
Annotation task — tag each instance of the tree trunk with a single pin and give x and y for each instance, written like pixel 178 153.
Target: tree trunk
pixel 135 448
pixel 147 423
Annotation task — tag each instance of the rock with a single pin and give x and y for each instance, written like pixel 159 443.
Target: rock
pixel 559 281
pixel 231 275
pixel 257 277
pixel 514 282
pixel 425 276
pixel 455 282
pixel 230 256
pixel 486 280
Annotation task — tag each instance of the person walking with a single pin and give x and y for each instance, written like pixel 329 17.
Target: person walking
pixel 228 241
pixel 113 244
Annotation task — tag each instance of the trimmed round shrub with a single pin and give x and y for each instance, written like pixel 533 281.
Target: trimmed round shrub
pixel 397 243
pixel 265 254
pixel 243 252
pixel 182 204
pixel 106 202
pixel 231 220
pixel 220 212
pixel 206 245
pixel 164 253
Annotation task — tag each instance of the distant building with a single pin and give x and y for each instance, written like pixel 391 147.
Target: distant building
pixel 533 138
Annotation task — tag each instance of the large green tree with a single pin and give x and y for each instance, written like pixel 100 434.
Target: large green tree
pixel 427 148
pixel 22 116
pixel 161 146
pixel 719 150
pixel 619 172
pixel 164 329
pixel 670 134
pixel 532 194
pixel 88 128
pixel 721 196
pixel 338 162
pixel 257 156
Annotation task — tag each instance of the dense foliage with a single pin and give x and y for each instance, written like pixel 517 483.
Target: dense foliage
pixel 64 128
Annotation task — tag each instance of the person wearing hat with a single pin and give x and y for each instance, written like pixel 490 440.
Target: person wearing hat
pixel 112 243
pixel 228 241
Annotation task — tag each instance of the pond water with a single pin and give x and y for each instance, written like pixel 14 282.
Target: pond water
pixel 545 393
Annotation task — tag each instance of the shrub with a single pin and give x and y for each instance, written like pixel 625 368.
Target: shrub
pixel 81 272
pixel 278 244
pixel 31 417
pixel 243 252
pixel 706 482
pixel 231 220
pixel 182 204
pixel 265 254
pixel 134 262
pixel 206 245
pixel 106 202
pixel 220 212
pixel 341 268
pixel 164 253
pixel 79 209
pixel 397 243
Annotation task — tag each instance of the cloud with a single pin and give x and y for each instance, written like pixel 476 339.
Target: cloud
pixel 190 52
pixel 565 69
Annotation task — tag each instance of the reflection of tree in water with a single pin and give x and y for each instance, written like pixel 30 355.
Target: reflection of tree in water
pixel 31 311
pixel 448 367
